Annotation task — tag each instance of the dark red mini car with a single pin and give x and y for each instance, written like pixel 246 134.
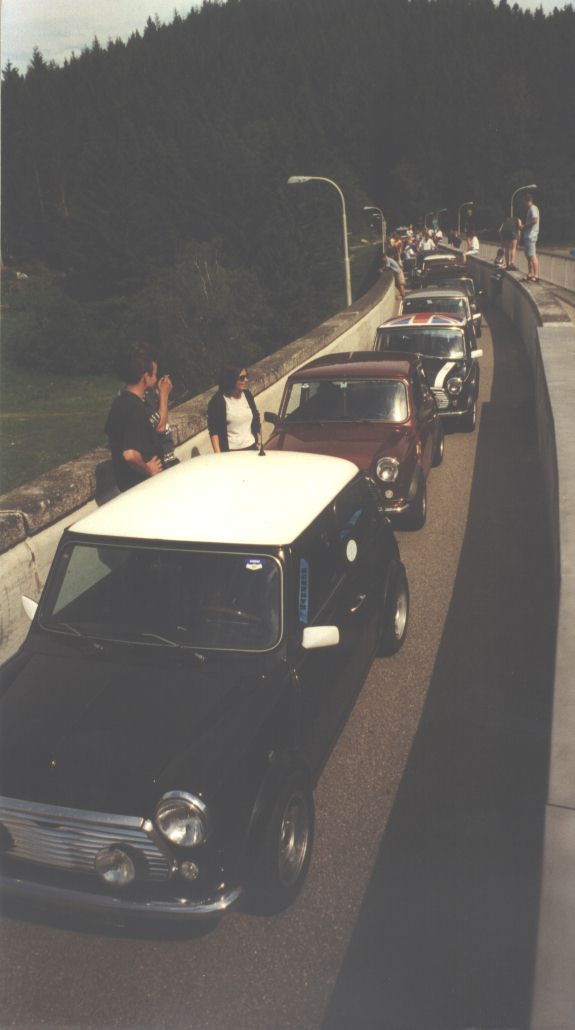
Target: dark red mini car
pixel 374 410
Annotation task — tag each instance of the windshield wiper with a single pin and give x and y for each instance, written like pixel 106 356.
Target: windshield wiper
pixel 175 643
pixel 59 627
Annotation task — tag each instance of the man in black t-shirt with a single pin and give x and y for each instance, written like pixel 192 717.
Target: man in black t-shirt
pixel 134 444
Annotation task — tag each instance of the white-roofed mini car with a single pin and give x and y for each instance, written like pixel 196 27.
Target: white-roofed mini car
pixel 199 642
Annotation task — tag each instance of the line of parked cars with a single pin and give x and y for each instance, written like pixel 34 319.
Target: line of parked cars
pixel 201 639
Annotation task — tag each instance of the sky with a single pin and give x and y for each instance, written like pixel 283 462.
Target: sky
pixel 62 27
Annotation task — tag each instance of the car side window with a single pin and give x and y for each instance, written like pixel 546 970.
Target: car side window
pixel 319 567
pixel 356 516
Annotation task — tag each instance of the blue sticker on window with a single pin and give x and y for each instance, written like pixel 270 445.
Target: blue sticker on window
pixel 303 591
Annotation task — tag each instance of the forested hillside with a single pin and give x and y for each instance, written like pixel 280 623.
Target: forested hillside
pixel 149 177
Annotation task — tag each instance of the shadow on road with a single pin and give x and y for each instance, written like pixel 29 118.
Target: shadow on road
pixel 129 928
pixel 446 934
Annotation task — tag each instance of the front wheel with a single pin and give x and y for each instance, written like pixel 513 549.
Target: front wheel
pixel 438 446
pixel 284 850
pixel 396 616
pixel 416 516
pixel 469 420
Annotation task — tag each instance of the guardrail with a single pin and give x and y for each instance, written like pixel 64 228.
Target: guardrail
pixel 549 339
pixel 33 517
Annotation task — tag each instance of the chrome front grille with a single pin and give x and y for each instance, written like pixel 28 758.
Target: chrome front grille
pixel 65 838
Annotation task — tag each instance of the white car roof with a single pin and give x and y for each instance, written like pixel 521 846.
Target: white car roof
pixel 233 498
pixel 438 291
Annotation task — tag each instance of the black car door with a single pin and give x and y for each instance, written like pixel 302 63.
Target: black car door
pixel 337 585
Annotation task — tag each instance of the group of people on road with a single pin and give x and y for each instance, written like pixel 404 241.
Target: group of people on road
pixel 137 425
pixel 402 252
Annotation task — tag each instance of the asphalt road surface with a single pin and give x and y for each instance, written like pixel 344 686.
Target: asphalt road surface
pixel 420 908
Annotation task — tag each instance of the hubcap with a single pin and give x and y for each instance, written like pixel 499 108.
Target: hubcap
pixel 294 839
pixel 400 614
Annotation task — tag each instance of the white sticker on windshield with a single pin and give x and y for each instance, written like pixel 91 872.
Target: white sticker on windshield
pixel 351 550
pixel 254 565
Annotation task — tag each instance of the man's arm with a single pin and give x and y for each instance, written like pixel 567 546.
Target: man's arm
pixel 149 468
pixel 164 390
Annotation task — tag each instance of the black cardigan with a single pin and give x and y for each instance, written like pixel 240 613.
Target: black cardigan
pixel 217 419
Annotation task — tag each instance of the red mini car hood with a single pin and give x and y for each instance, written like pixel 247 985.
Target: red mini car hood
pixel 359 442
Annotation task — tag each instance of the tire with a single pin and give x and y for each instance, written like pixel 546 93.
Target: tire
pixel 469 420
pixel 416 517
pixel 284 848
pixel 396 616
pixel 439 446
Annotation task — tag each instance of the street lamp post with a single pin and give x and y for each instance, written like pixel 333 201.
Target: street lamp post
pixel 533 186
pixel 371 207
pixel 294 180
pixel 466 203
pixel 438 211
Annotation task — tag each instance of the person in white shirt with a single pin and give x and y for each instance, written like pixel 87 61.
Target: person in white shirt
pixel 233 420
pixel 427 243
pixel 472 244
pixel 530 237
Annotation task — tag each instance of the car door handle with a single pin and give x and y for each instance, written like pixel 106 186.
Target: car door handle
pixel 358 603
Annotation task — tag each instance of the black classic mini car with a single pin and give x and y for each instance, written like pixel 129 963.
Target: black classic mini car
pixel 197 647
pixel 447 348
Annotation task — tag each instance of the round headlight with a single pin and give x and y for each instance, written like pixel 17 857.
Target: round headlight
pixel 182 819
pixel 454 385
pixel 387 469
pixel 114 867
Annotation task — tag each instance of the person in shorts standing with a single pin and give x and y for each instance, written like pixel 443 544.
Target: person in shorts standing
pixel 530 237
pixel 509 232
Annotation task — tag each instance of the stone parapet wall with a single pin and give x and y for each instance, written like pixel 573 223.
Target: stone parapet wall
pixel 33 517
pixel 549 339
pixel 558 269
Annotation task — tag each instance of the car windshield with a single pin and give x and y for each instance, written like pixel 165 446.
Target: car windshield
pixel 432 342
pixel 149 595
pixel 338 400
pixel 452 305
pixel 460 284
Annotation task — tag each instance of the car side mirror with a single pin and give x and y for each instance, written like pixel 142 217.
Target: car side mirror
pixel 476 353
pixel 29 606
pixel 270 416
pixel 319 636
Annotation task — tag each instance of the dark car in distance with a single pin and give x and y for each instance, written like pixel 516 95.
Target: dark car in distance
pixel 196 650
pixel 448 278
pixel 447 299
pixel 449 355
pixel 373 409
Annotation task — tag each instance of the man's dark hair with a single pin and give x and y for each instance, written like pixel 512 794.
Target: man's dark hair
pixel 228 378
pixel 137 360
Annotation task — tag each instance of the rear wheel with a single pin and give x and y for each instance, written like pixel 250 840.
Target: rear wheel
pixel 396 616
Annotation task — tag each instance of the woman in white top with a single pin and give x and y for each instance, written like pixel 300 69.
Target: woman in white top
pixel 233 420
pixel 472 243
